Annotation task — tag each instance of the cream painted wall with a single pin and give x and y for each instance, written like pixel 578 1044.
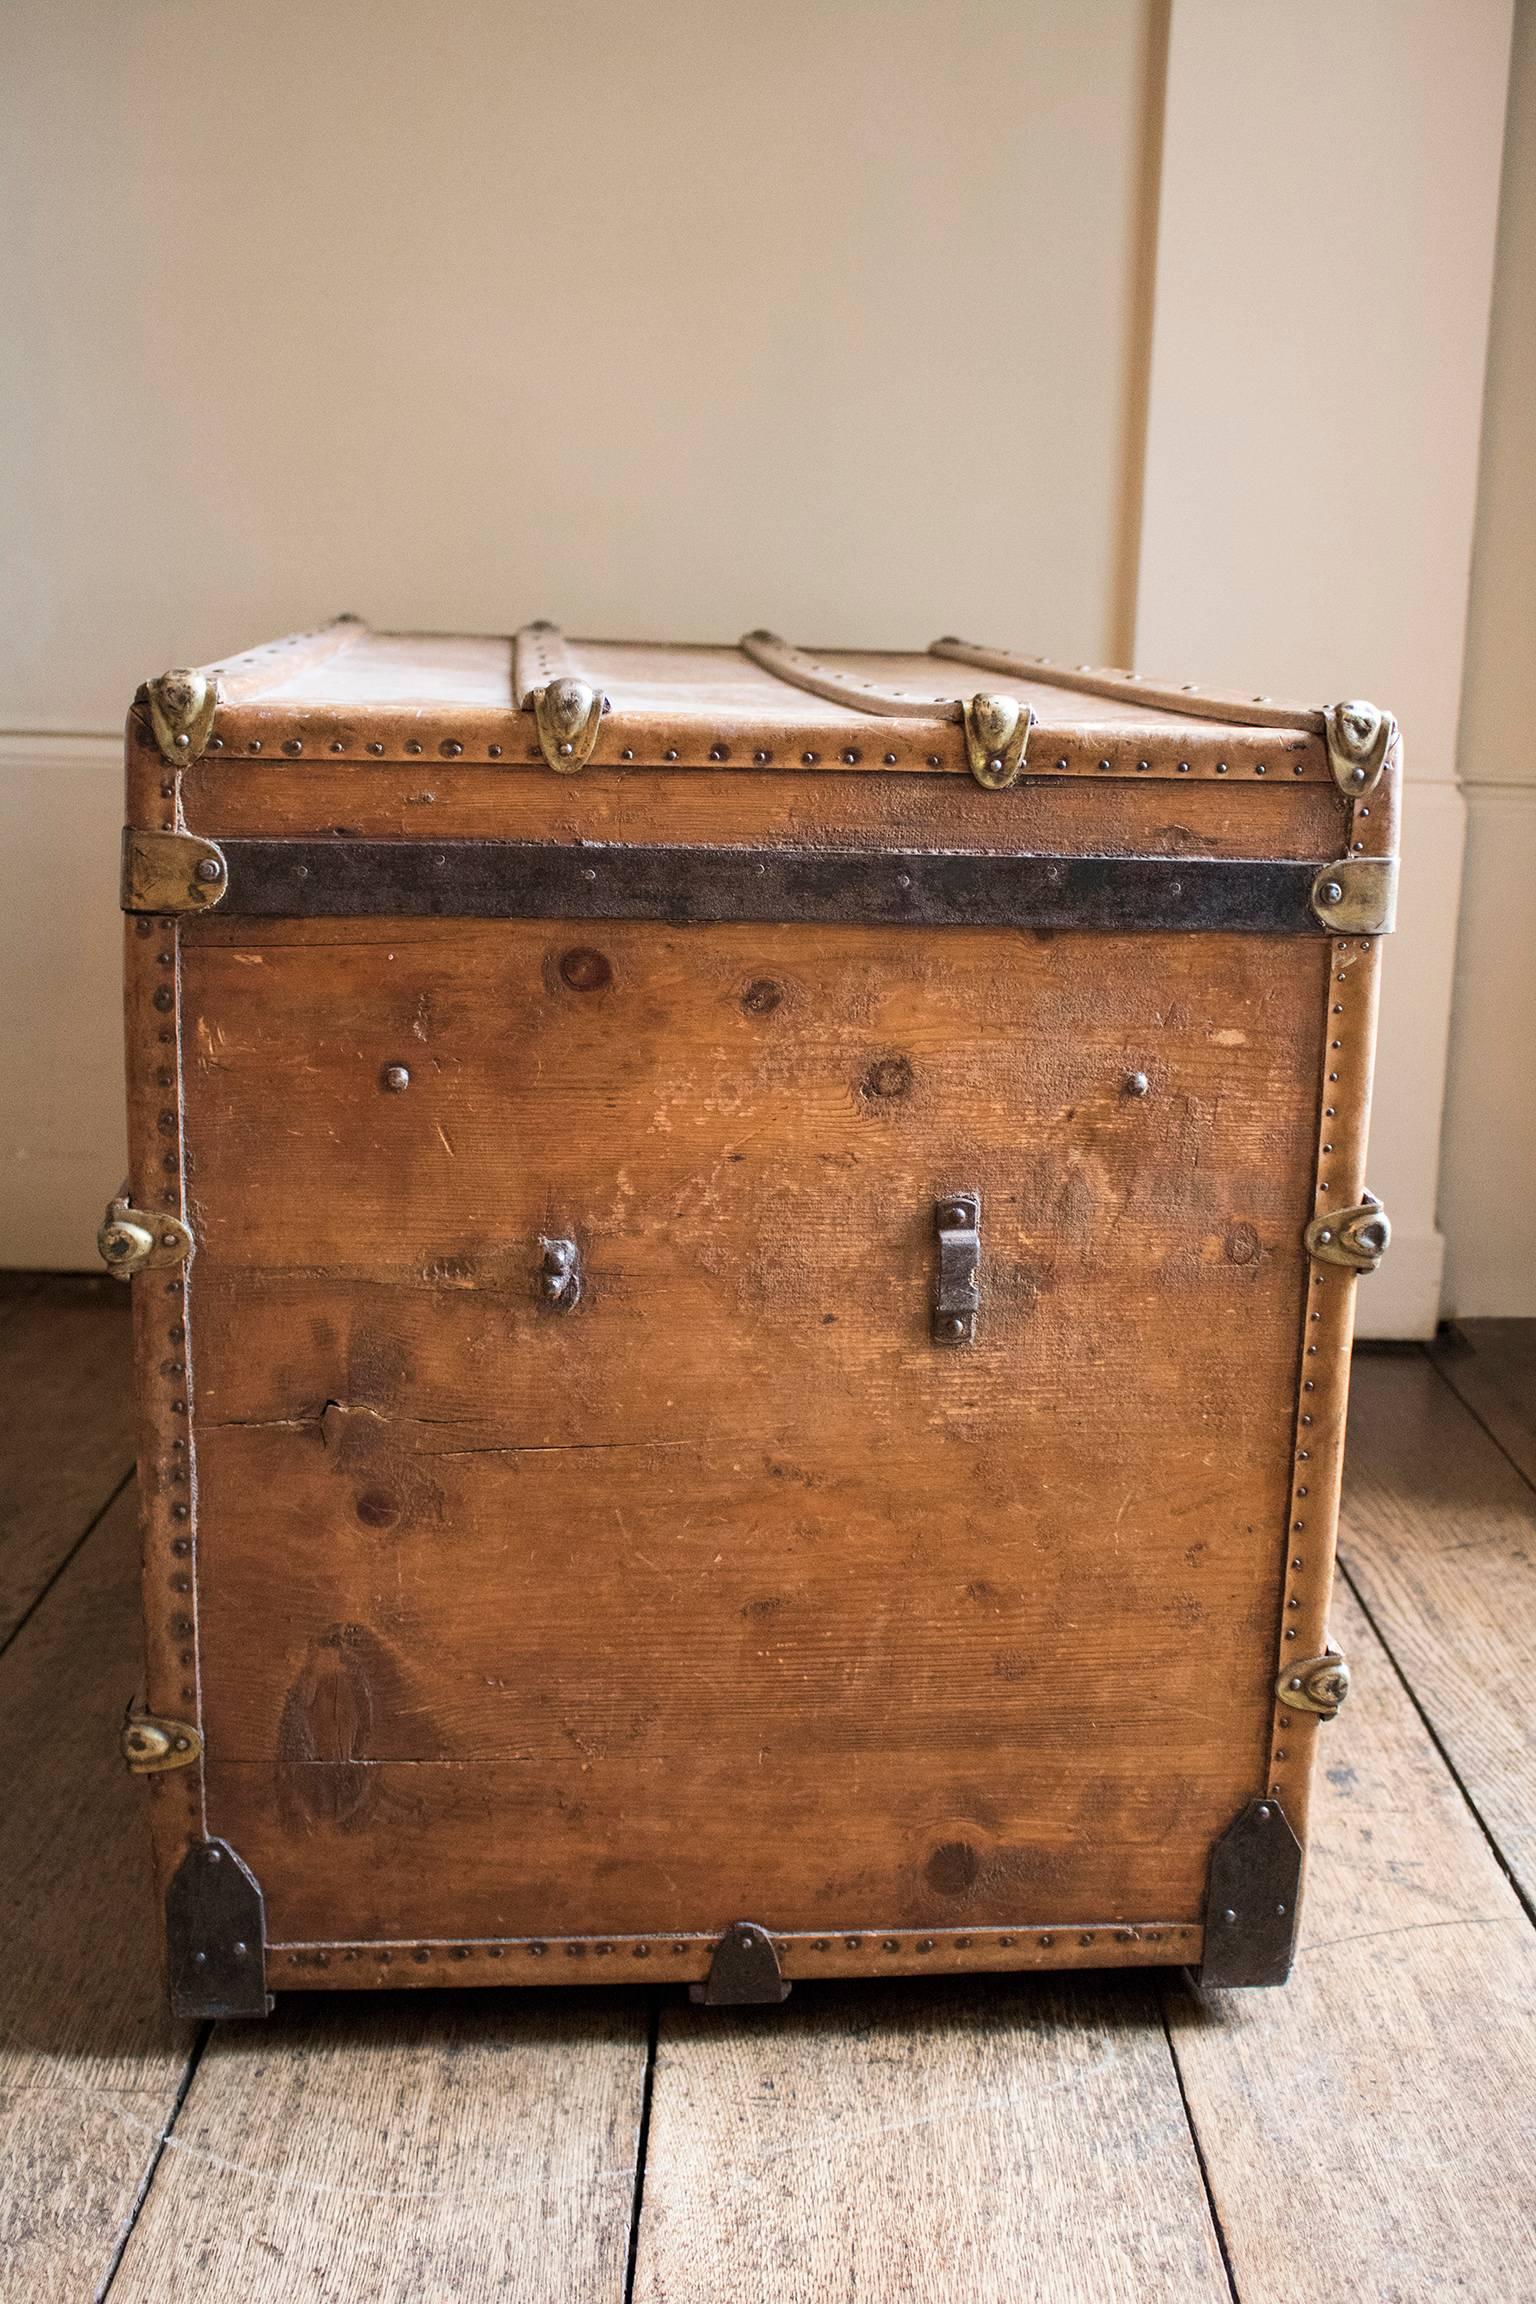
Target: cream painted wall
pixel 669 320
pixel 1488 1188
pixel 1324 271
pixel 834 315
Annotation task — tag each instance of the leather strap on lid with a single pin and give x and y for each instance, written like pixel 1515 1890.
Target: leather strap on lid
pixel 996 727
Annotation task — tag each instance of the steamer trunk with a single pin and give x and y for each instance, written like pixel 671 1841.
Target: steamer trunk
pixel 744 1268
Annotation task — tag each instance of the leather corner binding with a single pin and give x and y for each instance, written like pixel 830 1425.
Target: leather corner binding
pixel 216 1936
pixel 744 1972
pixel 1251 1899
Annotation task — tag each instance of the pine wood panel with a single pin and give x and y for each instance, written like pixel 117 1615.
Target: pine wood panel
pixel 1441 1541
pixel 541 1595
pixel 67 1383
pixel 90 2065
pixel 273 798
pixel 1492 1365
pixel 964 2145
pixel 1368 2131
pixel 611 1658
pixel 480 2148
pixel 869 1059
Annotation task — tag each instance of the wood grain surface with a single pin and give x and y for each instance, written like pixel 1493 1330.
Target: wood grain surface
pixel 68 1391
pixel 227 798
pixel 731 1593
pixel 1441 1543
pixel 1491 1364
pixel 479 2147
pixel 963 2144
pixel 90 2065
pixel 1368 2130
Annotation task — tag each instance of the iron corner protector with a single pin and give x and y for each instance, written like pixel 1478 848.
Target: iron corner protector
pixel 1252 1892
pixel 216 1936
pixel 744 1972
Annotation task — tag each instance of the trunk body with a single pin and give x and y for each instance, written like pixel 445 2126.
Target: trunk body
pixel 747 1345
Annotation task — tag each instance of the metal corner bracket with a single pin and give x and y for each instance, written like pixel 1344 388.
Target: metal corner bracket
pixel 1357 1238
pixel 1317 1684
pixel 567 715
pixel 1252 1890
pixel 216 1936
pixel 171 872
pixel 181 709
pixel 1357 896
pixel 997 739
pixel 132 1240
pixel 1360 738
pixel 744 1972
pixel 150 1746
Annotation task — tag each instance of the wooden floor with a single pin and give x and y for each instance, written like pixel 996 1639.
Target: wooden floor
pixel 1366 2134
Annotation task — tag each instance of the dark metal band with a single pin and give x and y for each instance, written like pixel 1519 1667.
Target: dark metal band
pixel 894 887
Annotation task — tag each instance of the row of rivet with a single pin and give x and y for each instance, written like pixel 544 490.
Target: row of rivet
pixel 1325 1294
pixel 170 1491
pixel 719 754
pixel 580 1948
pixel 339 630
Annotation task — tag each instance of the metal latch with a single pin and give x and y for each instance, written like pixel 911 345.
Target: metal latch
pixel 130 1240
pixel 1358 1238
pixel 957 1293
pixel 560 1274
pixel 1319 1684
pixel 150 1745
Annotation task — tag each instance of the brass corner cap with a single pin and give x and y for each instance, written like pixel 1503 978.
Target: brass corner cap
pixel 1357 1238
pixel 996 739
pixel 171 872
pixel 1360 738
pixel 1357 896
pixel 567 714
pixel 150 1746
pixel 134 1240
pixel 1316 1684
pixel 181 707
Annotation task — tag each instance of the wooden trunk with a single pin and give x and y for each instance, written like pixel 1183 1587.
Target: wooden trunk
pixel 744 1269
